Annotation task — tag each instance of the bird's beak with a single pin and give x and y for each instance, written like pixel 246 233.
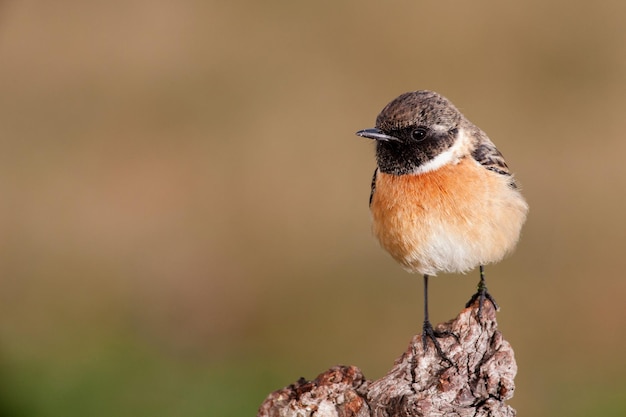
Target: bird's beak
pixel 376 134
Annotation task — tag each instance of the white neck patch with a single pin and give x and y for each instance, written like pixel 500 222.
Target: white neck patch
pixel 451 155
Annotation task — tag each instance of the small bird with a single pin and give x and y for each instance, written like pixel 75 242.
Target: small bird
pixel 442 197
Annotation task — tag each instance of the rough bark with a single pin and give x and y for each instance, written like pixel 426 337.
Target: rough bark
pixel 420 383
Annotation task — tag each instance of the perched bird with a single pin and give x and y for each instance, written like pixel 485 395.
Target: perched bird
pixel 443 198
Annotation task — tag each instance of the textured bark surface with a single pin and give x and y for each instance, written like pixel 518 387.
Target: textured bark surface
pixel 420 383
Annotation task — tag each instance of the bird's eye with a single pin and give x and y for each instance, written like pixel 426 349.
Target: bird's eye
pixel 419 133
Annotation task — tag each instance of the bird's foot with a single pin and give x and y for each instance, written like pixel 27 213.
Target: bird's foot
pixel 429 333
pixel 481 295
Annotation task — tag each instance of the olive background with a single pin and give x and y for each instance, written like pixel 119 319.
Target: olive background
pixel 183 202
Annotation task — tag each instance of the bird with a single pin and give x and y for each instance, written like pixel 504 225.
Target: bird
pixel 442 199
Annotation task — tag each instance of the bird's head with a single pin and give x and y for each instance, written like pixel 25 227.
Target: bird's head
pixel 414 132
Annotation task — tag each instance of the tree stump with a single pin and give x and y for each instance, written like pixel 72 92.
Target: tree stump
pixel 420 383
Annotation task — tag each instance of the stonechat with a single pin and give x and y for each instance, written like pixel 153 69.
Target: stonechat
pixel 442 198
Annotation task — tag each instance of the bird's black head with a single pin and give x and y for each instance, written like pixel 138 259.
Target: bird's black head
pixel 412 130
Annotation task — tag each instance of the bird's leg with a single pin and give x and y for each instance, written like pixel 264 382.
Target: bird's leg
pixel 482 294
pixel 429 333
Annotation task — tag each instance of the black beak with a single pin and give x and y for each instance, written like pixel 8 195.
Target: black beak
pixel 376 134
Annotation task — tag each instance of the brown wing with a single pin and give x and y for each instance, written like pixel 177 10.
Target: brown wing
pixel 373 186
pixel 490 157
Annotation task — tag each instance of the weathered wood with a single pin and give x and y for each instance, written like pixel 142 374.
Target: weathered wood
pixel 420 383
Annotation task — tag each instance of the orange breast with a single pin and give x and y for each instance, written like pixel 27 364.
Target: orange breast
pixel 448 220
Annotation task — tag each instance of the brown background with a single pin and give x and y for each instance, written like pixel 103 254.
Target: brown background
pixel 184 223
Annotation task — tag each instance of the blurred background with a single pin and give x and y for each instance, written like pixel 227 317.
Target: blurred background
pixel 184 221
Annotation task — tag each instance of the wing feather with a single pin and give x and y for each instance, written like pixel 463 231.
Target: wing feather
pixel 490 157
pixel 373 186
